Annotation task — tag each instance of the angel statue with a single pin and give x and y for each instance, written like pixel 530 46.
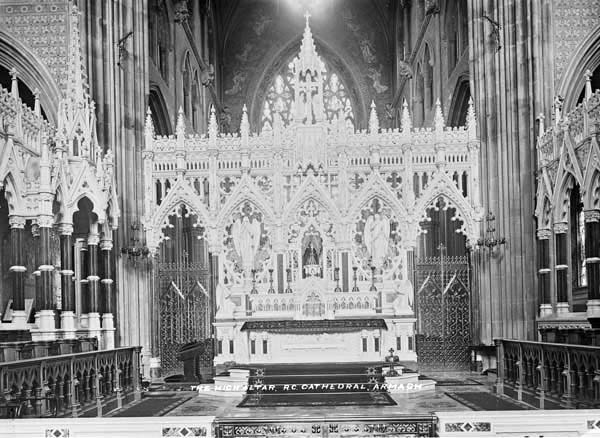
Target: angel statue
pixel 246 240
pixel 405 295
pixel 226 306
pixel 376 237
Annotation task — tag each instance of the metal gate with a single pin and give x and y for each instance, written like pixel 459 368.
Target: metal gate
pixel 185 312
pixel 444 313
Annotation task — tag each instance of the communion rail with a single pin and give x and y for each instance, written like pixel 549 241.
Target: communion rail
pixel 545 374
pixel 72 385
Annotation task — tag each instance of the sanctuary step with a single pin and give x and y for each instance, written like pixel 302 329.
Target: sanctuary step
pixel 315 378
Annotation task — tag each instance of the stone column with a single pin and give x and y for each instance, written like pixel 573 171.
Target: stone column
pixel 562 267
pixel 67 315
pixel 93 279
pixel 592 261
pixel 45 316
pixel 17 270
pixel 544 271
pixel 106 284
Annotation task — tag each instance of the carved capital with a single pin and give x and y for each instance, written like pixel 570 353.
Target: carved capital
pixel 592 215
pixel 544 234
pixel 106 245
pixel 561 227
pixel 16 222
pixel 93 239
pixel 45 221
pixel 65 229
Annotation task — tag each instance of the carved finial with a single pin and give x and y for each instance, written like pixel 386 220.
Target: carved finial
pixel 542 128
pixel 373 119
pixel 76 80
pixel 180 128
pixel 36 107
pixel 307 17
pixel 14 85
pixel 406 121
pixel 588 84
pixel 213 127
pixel 471 119
pixel 244 125
pixel 558 103
pixel 438 118
pixel 149 124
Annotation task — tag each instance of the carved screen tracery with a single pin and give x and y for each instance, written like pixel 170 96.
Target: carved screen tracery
pixel 280 96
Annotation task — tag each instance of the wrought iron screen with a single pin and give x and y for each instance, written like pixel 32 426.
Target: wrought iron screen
pixel 443 312
pixel 185 311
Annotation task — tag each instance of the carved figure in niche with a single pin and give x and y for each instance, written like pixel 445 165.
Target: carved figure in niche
pixel 246 240
pixel 403 303
pixel 226 305
pixel 312 250
pixel 376 238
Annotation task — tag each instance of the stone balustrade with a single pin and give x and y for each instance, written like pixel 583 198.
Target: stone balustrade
pixel 546 374
pixel 90 383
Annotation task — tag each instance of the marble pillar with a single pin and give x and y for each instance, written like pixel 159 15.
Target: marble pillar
pixel 93 284
pixel 562 267
pixel 106 285
pixel 592 261
pixel 17 270
pixel 67 289
pixel 544 272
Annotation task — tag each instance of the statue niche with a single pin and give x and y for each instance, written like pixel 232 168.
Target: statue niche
pixel 312 249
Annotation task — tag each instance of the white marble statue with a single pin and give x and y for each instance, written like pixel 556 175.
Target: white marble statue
pixel 226 305
pixel 246 240
pixel 403 303
pixel 376 236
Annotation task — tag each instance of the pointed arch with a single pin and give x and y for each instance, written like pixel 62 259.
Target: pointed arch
pixel 280 60
pixel 13 196
pixel 376 187
pixel 245 191
pixel 32 72
pixel 591 198
pixel 442 186
pixel 562 197
pixel 180 193
pixel 311 189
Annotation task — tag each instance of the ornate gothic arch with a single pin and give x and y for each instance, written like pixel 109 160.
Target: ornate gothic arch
pixel 311 189
pixel 245 191
pixel 13 196
pixel 180 193
pixel 442 186
pixel 377 187
pixel 32 72
pixel 279 61
pixel 587 56
pixel 561 197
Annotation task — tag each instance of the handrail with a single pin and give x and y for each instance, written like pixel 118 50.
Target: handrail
pixel 550 344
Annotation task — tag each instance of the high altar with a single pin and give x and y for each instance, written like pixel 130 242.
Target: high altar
pixel 311 224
